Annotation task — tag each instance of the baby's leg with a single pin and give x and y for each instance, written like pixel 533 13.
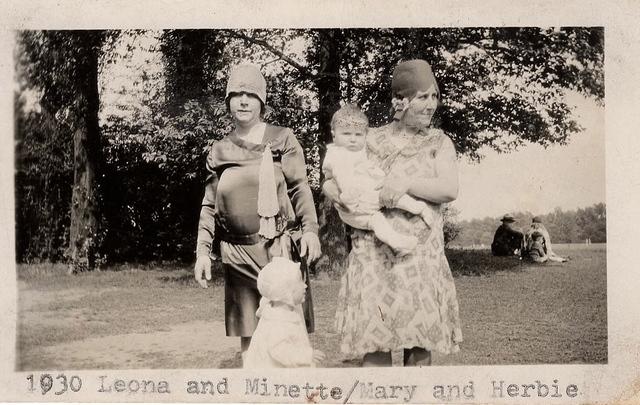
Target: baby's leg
pixel 410 204
pixel 417 207
pixel 356 220
pixel 401 244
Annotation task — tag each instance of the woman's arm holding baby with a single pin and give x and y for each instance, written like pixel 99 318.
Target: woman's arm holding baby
pixel 440 189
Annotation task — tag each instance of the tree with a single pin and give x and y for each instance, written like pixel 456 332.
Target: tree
pixel 563 226
pixel 501 88
pixel 592 222
pixel 43 177
pixel 451 227
pixel 157 140
pixel 64 65
pixel 192 59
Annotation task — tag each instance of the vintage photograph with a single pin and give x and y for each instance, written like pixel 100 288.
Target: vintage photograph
pixel 197 198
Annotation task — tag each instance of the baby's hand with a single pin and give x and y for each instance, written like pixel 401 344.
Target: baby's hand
pixel 318 357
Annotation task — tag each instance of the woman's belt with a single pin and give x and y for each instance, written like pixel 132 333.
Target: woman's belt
pixel 253 238
pixel 250 239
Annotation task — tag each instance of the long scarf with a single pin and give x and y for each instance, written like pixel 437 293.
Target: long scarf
pixel 268 206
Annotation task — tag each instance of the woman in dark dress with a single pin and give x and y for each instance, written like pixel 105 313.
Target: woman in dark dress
pixel 256 196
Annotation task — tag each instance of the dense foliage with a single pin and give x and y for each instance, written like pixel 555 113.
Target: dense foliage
pixel 63 67
pixel 42 166
pixel 161 103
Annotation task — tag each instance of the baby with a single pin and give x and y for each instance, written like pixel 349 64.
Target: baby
pixel 280 339
pixel 359 181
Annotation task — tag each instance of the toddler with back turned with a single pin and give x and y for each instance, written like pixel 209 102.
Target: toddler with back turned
pixel 280 339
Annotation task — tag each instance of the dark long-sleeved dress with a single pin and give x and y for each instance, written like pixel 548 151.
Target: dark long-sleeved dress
pixel 506 241
pixel 229 215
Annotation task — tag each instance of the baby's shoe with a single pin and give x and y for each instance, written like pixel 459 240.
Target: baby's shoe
pixel 428 216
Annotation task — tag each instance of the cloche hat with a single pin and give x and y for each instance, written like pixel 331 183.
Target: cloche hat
pixel 247 78
pixel 412 76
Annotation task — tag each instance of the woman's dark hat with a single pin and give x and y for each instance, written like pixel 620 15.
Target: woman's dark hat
pixel 536 220
pixel 508 218
pixel 410 77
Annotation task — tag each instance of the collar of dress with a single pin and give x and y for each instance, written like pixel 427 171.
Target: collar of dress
pixel 246 144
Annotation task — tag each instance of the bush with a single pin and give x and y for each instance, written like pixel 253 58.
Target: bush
pixel 42 186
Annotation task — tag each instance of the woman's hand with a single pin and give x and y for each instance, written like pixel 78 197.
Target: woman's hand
pixel 310 247
pixel 202 267
pixel 332 192
pixel 392 189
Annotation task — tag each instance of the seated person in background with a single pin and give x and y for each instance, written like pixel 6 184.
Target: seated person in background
pixel 536 251
pixel 507 241
pixel 537 226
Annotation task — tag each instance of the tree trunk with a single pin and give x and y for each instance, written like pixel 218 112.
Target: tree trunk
pixel 328 83
pixel 332 230
pixel 83 243
pixel 186 53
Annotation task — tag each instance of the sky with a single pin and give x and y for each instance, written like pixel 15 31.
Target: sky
pixel 536 179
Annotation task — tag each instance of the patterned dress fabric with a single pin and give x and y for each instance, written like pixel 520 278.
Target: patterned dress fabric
pixel 387 302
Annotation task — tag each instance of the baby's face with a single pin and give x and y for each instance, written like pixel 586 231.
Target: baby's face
pixel 299 288
pixel 350 136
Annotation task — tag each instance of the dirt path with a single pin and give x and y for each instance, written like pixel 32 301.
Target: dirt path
pixel 178 347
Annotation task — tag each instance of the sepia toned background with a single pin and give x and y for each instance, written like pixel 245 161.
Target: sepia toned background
pixel 173 276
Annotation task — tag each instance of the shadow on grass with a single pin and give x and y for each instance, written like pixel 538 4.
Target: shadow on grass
pixel 187 279
pixel 480 262
pixel 462 263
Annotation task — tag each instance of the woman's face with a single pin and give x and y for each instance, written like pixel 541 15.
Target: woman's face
pixel 245 109
pixel 421 108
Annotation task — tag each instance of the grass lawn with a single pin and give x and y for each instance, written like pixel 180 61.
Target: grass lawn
pixel 155 316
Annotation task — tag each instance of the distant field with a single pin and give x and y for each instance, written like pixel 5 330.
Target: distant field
pixel 155 316
pixel 573 246
pixel 556 246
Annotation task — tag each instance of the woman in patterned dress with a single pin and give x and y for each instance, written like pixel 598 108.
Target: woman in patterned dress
pixel 387 302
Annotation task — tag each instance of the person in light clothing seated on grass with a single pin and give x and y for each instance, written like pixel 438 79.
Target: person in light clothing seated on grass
pixel 536 251
pixel 359 180
pixel 538 227
pixel 280 339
